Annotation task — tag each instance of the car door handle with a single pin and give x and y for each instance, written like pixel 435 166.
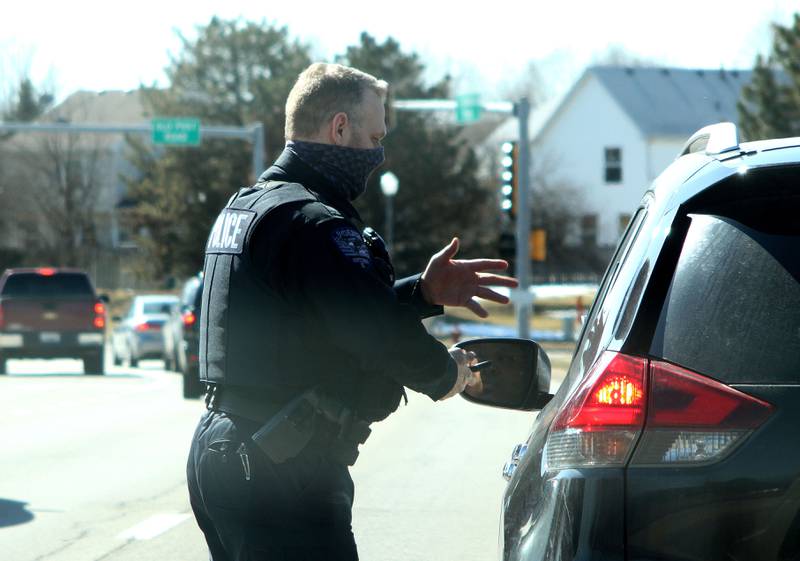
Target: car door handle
pixel 516 456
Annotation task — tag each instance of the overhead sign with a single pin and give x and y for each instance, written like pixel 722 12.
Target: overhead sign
pixel 180 132
pixel 468 108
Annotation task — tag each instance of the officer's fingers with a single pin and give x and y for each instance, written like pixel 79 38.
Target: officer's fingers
pixel 459 355
pixel 448 251
pixel 489 294
pixel 478 265
pixel 497 280
pixel 476 308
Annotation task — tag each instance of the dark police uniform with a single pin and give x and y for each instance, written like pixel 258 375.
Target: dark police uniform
pixel 297 297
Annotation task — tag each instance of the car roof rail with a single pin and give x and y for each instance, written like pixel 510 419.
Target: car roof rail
pixel 713 139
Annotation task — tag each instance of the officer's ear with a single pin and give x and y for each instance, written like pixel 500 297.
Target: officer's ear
pixel 340 129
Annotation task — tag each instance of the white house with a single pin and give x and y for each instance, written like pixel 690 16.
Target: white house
pixel 617 129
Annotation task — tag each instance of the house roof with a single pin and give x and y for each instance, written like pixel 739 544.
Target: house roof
pixel 99 107
pixel 673 101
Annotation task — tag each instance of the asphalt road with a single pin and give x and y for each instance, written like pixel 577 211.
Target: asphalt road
pixel 92 468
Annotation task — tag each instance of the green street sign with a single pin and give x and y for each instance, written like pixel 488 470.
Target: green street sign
pixel 179 132
pixel 468 108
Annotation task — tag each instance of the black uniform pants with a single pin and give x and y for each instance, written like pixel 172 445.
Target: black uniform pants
pixel 251 509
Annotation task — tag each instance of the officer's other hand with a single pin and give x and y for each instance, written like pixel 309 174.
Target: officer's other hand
pixel 458 282
pixel 466 377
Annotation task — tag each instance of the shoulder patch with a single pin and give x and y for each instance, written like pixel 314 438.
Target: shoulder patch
pixel 352 246
pixel 229 231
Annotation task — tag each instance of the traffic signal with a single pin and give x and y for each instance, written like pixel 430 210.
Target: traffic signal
pixel 507 246
pixel 537 244
pixel 508 177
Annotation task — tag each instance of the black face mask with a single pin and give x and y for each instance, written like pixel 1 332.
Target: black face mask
pixel 347 168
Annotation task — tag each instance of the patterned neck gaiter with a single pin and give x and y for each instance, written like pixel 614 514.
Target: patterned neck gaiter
pixel 346 168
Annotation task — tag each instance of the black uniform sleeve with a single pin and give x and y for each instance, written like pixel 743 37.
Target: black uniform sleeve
pixel 362 315
pixel 408 291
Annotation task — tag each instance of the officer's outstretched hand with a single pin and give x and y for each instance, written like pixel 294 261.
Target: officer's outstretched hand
pixel 457 282
pixel 466 377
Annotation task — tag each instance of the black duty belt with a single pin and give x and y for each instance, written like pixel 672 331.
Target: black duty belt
pixel 236 402
pixel 310 419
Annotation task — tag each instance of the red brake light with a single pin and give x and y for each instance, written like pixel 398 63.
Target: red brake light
pixel 147 326
pixel 100 315
pixel 611 396
pixel 681 417
pixel 2 323
pixel 189 318
pixel 603 418
pixel 46 271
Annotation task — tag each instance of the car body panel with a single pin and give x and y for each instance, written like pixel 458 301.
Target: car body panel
pixel 541 510
pixel 668 509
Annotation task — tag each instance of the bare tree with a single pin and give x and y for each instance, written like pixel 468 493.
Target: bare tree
pixel 54 181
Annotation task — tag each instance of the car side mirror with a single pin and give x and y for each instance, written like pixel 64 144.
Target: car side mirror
pixel 104 298
pixel 516 376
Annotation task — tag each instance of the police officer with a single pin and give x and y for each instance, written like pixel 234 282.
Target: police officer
pixel 306 336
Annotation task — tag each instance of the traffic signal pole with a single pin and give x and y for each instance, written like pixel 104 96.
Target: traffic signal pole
pixel 522 297
pixel 524 300
pixel 254 134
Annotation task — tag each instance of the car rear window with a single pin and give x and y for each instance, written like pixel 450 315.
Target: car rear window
pixel 156 307
pixel 58 285
pixel 732 311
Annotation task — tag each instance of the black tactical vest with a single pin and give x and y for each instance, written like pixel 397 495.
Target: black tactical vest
pixel 254 338
pixel 243 322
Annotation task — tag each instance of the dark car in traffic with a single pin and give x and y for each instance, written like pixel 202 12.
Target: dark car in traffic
pixel 181 337
pixel 674 435
pixel 51 313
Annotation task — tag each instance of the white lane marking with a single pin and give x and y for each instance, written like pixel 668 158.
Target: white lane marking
pixel 153 526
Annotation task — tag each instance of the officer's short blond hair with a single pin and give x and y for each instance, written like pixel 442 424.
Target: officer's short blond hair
pixel 323 90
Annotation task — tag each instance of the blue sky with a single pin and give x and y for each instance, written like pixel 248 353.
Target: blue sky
pixel 87 44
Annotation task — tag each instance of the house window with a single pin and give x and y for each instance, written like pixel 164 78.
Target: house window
pixel 624 218
pixel 613 165
pixel 589 230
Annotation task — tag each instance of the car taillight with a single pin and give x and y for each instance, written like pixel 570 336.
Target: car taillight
pixel 2 322
pixel 603 418
pixel 189 319
pixel 682 417
pixel 99 315
pixel 692 419
pixel 147 326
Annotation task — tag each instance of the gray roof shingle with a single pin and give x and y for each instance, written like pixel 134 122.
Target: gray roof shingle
pixel 674 101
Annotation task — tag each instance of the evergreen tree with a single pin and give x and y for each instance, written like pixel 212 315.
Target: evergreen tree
pixel 29 103
pixel 234 73
pixel 770 104
pixel 440 192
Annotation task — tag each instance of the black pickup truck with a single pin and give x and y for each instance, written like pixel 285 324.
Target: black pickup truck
pixel 51 313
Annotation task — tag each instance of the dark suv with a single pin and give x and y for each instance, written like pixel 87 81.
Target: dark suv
pixel 181 337
pixel 51 313
pixel 675 432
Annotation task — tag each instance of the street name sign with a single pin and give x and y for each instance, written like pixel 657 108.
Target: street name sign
pixel 468 108
pixel 176 132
